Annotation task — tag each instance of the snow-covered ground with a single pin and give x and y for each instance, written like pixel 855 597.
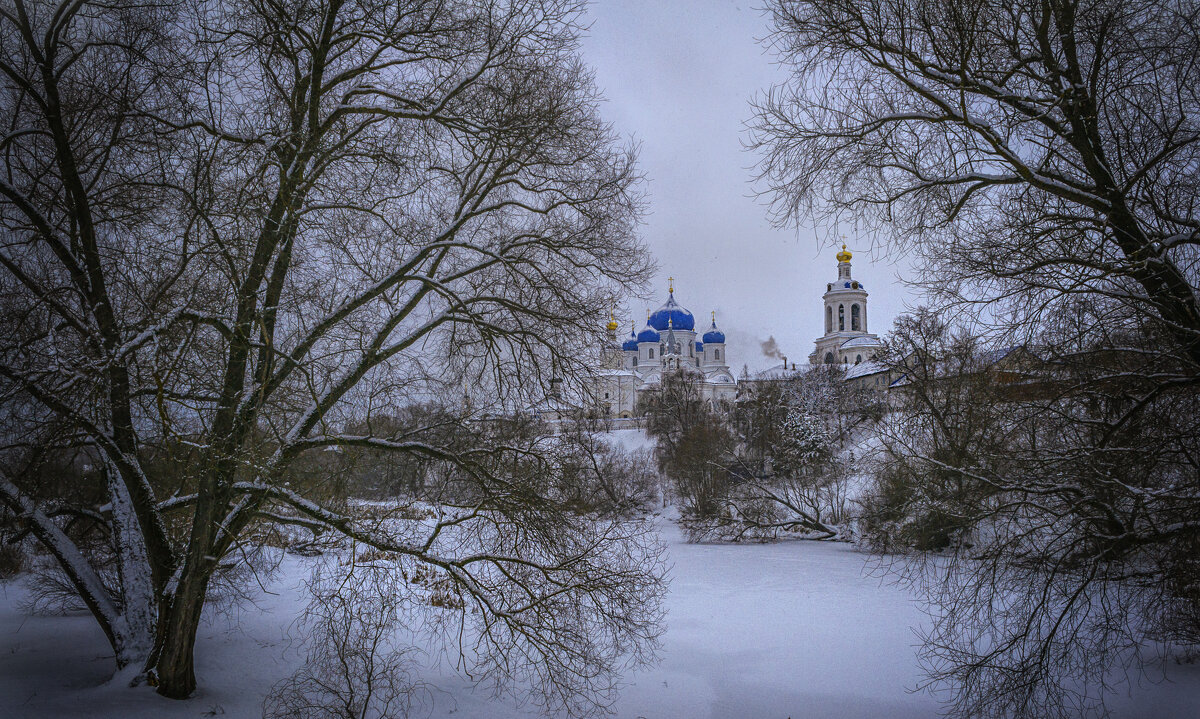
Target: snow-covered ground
pixel 795 629
pixel 629 439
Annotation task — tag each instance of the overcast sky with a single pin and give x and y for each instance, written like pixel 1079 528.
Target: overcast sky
pixel 678 77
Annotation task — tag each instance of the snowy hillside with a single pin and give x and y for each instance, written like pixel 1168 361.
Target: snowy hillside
pixel 629 439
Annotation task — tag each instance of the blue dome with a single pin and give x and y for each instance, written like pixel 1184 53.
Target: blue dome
pixel 648 334
pixel 671 313
pixel 714 335
pixel 699 346
pixel 630 345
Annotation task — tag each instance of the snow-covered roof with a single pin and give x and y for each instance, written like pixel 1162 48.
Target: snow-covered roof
pixel 648 334
pixel 865 341
pixel 991 357
pixel 774 374
pixel 551 404
pixel 672 314
pixel 719 376
pixel 865 369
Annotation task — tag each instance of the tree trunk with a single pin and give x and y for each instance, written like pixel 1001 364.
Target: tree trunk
pixel 172 667
pixel 135 638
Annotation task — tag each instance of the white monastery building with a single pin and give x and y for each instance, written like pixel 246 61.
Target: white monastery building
pixel 669 342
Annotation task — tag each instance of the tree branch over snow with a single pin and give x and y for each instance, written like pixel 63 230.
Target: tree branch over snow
pixel 232 235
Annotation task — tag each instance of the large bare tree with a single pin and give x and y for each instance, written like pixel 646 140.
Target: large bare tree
pixel 1039 159
pixel 1041 148
pixel 231 230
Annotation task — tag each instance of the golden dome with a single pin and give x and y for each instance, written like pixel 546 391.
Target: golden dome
pixel 844 255
pixel 612 322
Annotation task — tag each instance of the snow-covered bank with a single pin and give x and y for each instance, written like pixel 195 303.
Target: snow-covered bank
pixel 793 629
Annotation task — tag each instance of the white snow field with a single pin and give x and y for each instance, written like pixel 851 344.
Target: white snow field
pixel 795 629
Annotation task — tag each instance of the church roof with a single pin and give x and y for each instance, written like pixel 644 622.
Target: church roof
pixel 648 334
pixel 630 344
pixel 714 335
pixel 843 285
pixel 671 313
pixel 863 341
pixel 865 369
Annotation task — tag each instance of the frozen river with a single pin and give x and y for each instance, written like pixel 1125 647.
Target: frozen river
pixel 796 629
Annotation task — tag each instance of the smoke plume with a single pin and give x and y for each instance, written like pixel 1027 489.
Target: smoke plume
pixel 771 349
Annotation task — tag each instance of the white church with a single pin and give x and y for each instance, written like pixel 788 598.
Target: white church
pixel 669 342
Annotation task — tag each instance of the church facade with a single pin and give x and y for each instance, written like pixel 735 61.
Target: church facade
pixel 669 342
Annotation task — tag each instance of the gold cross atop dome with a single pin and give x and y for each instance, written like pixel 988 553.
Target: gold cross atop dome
pixel 671 285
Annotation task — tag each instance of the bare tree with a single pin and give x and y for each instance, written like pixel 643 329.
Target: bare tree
pixel 600 476
pixel 353 670
pixel 1039 159
pixel 1045 149
pixel 1058 523
pixel 949 408
pixel 233 230
pixel 694 443
pixel 793 460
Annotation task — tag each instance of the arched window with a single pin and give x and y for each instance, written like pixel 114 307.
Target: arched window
pixel 828 319
pixel 635 361
pixel 857 359
pixel 651 353
pixel 828 358
pixel 841 318
pixel 716 354
pixel 854 321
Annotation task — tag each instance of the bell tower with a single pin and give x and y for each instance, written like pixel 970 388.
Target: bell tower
pixel 846 339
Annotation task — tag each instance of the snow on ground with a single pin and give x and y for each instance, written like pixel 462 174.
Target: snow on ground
pixel 794 629
pixel 629 439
